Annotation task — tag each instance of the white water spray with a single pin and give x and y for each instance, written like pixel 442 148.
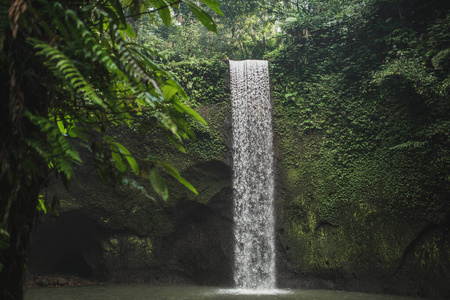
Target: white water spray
pixel 253 178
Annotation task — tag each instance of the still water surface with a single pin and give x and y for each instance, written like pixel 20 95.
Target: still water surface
pixel 146 292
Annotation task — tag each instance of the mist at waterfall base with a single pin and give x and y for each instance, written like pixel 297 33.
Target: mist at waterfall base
pixel 146 292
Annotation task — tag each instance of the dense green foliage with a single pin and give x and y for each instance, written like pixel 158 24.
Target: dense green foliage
pixel 370 86
pixel 69 71
pixel 362 110
pixel 246 30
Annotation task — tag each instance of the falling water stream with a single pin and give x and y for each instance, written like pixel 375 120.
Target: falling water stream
pixel 253 179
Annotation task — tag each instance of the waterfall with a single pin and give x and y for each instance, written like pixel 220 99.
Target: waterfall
pixel 253 178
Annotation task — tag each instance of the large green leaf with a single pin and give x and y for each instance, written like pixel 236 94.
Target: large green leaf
pixel 121 150
pixel 164 11
pixel 61 126
pixel 129 157
pixel 169 91
pixel 214 5
pixel 184 108
pixel 158 183
pixel 117 158
pixel 172 171
pixel 175 84
pixel 130 31
pixel 202 16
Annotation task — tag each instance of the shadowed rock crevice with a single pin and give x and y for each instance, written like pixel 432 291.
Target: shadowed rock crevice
pixel 70 244
pixel 203 240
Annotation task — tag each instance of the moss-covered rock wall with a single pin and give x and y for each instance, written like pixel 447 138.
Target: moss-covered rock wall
pixel 358 213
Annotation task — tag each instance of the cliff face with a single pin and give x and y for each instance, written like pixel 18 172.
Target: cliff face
pixel 357 212
pixel 362 241
pixel 113 234
pixel 338 227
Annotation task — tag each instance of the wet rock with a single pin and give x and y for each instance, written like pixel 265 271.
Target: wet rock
pixel 62 281
pixel 42 281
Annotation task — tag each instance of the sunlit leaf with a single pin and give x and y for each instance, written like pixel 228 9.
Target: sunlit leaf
pixel 41 206
pixel 169 91
pixel 130 31
pixel 61 127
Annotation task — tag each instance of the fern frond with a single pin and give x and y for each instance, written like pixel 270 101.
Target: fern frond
pixel 97 51
pixel 81 35
pixel 56 150
pixel 156 68
pixel 64 68
pixel 132 66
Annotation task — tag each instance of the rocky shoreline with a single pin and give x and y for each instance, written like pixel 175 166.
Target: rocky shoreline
pixel 58 280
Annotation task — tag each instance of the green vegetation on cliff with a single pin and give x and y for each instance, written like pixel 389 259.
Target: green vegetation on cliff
pixel 362 114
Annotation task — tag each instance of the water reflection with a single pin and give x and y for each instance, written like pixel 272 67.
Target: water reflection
pixel 145 292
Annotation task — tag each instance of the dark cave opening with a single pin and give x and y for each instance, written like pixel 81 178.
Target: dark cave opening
pixel 69 244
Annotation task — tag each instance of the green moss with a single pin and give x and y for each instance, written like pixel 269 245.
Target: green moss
pixel 69 203
pixel 347 207
pixel 205 81
pixel 143 245
pixel 356 245
pixel 432 252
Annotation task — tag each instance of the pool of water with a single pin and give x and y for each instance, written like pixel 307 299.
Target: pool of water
pixel 147 292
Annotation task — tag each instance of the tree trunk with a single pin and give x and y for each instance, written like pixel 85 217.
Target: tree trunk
pixel 12 276
pixel 18 220
pixel 22 174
